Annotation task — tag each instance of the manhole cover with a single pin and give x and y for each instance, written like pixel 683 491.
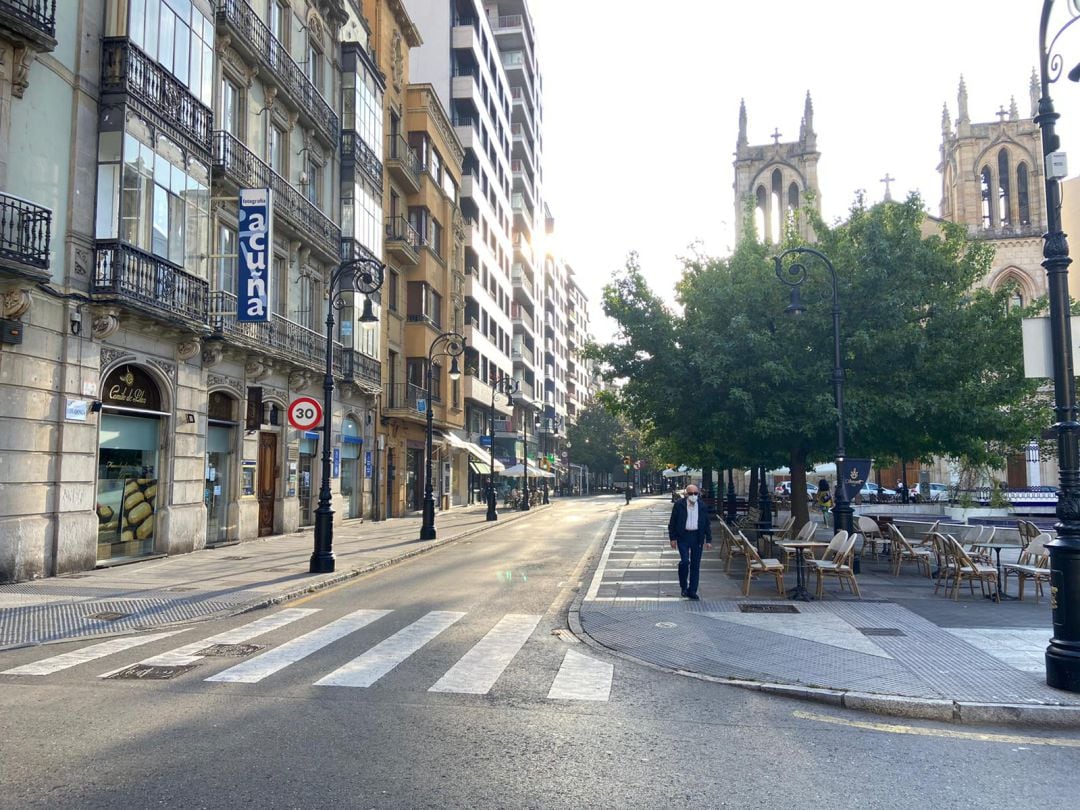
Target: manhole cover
pixel 881 631
pixel 230 650
pixel 666 625
pixel 141 672
pixel 768 609
pixel 108 616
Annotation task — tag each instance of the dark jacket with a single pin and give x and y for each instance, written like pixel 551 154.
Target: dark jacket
pixel 676 527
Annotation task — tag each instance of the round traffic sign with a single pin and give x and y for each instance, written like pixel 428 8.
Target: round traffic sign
pixel 305 413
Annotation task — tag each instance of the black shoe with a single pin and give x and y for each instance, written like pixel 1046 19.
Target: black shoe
pixel 693 597
pixel 684 592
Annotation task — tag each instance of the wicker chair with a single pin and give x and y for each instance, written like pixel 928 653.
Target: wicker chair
pixel 902 551
pixel 836 545
pixel 839 567
pixel 804 534
pixel 1034 563
pixel 970 569
pixel 870 532
pixel 729 546
pixel 755 564
pixel 974 547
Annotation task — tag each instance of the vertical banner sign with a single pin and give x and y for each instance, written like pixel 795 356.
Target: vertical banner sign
pixel 854 472
pixel 256 246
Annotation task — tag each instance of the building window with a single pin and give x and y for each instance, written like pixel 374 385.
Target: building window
pixel 435 237
pixel 392 291
pixel 985 187
pixel 231 110
pixel 314 182
pixel 225 277
pixel 1022 198
pixel 279 23
pixel 313 67
pixel 1004 197
pixel 179 38
pixel 277 145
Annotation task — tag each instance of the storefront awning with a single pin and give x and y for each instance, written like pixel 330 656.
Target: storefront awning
pixel 480 467
pixel 460 442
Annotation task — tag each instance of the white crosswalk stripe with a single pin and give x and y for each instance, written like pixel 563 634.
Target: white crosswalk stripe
pixel 384 656
pixel 189 653
pixel 481 666
pixel 290 652
pixel 48 666
pixel 582 678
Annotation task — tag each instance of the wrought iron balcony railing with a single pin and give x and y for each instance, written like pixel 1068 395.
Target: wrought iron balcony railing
pixel 399 229
pixel 354 152
pixel 245 169
pixel 402 158
pixel 403 396
pixel 251 34
pixel 279 336
pixel 143 281
pixel 25 232
pixel 40 15
pixel 357 367
pixel 126 69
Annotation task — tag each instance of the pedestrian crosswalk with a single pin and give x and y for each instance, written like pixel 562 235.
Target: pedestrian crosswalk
pixel 476 671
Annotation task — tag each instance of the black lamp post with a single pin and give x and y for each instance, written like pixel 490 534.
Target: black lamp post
pixel 364 276
pixel 453 345
pixel 1063 652
pixel 554 423
pixel 505 384
pixel 525 505
pixel 732 510
pixel 794 277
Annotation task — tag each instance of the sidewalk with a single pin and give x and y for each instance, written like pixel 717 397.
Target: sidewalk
pixel 214 582
pixel 898 650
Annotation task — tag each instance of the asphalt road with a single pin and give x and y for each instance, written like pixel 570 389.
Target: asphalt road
pixel 613 733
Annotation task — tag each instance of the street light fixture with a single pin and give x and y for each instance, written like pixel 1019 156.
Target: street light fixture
pixel 453 345
pixel 525 505
pixel 508 385
pixel 365 276
pixel 1063 652
pixel 794 277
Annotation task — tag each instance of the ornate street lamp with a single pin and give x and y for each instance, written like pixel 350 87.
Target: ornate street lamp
pixel 453 346
pixel 364 276
pixel 1063 652
pixel 508 385
pixel 794 277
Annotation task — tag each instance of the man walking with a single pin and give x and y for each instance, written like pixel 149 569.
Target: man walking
pixel 688 529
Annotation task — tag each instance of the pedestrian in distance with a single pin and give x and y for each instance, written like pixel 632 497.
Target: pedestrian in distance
pixel 689 531
pixel 823 499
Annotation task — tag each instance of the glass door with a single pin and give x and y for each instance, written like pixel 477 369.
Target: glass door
pixel 127 489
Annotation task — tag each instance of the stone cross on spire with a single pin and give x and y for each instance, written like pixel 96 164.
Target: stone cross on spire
pixel 887 180
pixel 776 136
pixel 1001 113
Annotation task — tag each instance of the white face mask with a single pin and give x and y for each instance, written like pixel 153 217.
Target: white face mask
pixel 692 497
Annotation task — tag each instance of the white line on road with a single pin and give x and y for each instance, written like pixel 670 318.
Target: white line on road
pixel 481 666
pixel 387 654
pixel 595 586
pixel 76 657
pixel 582 678
pixel 270 662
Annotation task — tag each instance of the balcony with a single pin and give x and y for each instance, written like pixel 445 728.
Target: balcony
pixel 403 164
pixel 25 236
pixel 31 20
pixel 141 281
pixel 158 95
pixel 357 154
pixel 252 38
pixel 403 241
pixel 359 368
pixel 278 337
pixel 403 397
pixel 239 164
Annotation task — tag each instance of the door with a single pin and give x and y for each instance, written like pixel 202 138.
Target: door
pixel 267 489
pixel 307 463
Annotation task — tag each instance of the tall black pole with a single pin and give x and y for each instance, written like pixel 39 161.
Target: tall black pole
pixel 454 346
pixel 364 276
pixel 732 506
pixel 794 277
pixel 525 506
pixel 1063 652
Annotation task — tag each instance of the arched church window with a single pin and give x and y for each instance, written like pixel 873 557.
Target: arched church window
pixel 793 198
pixel 1016 300
pixel 984 188
pixel 1004 198
pixel 759 214
pixel 776 226
pixel 1023 202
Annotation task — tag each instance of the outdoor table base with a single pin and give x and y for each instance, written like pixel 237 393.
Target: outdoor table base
pixel 997 547
pixel 800 591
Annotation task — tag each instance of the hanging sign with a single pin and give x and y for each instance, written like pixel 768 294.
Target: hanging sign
pixel 256 247
pixel 853 473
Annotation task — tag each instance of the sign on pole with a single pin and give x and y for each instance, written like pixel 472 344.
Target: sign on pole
pixel 853 473
pixel 256 243
pixel 305 413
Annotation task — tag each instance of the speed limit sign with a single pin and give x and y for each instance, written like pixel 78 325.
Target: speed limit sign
pixel 305 413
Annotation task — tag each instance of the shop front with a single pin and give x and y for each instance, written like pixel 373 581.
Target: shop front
pixel 352 481
pixel 219 493
pixel 129 464
pixel 305 491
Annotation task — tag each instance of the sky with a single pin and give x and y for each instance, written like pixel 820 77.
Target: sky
pixel 641 109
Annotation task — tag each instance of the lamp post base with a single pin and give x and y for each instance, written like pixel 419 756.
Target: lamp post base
pixel 322 558
pixel 1063 654
pixel 492 514
pixel 427 530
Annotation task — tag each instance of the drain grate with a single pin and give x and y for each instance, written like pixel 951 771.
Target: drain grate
pixel 881 631
pixel 108 616
pixel 768 609
pixel 230 650
pixel 142 672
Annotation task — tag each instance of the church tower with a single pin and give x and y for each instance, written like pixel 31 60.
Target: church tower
pixel 992 183
pixel 775 179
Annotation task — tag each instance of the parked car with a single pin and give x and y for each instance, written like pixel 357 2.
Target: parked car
pixel 871 491
pixel 784 489
pixel 939 492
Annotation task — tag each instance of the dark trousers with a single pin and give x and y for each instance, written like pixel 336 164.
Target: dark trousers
pixel 690 544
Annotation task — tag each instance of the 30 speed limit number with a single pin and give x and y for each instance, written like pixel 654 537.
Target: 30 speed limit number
pixel 305 413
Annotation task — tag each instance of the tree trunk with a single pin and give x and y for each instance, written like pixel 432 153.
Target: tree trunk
pixel 800 507
pixel 752 494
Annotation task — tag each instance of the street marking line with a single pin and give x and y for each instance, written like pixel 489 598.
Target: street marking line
pixel 189 653
pixel 893 728
pixel 48 666
pixel 582 678
pixel 595 586
pixel 365 669
pixel 476 672
pixel 268 663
